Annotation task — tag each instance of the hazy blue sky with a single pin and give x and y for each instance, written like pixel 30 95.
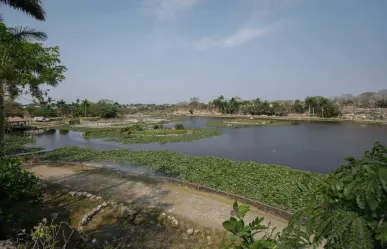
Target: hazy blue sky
pixel 164 51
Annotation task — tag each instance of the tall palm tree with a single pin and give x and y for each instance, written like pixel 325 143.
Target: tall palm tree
pixel 85 104
pixel 32 8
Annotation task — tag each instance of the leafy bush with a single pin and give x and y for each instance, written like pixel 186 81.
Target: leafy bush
pixel 108 111
pixel 179 126
pixel 138 127
pixel 46 236
pixel 157 126
pixel 242 235
pixel 349 207
pixel 16 184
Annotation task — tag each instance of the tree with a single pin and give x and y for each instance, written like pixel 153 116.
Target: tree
pixel 30 7
pixel 85 104
pixel 348 208
pixel 25 65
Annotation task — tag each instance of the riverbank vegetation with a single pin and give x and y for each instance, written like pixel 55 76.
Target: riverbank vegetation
pixel 141 133
pixel 272 184
pixel 243 123
pixel 15 144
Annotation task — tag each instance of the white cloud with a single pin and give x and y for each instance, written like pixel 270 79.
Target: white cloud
pixel 166 9
pixel 239 37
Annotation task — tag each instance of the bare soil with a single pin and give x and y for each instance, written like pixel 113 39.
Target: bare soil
pixel 205 209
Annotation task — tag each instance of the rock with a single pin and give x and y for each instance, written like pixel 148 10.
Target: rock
pixel 190 231
pixel 127 212
pixel 139 219
pixel 94 240
pixel 99 198
pixel 113 203
pixel 72 193
pixel 184 236
pixel 173 221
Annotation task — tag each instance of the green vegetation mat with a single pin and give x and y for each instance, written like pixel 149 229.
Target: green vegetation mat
pixel 15 144
pixel 242 123
pixel 272 184
pixel 132 136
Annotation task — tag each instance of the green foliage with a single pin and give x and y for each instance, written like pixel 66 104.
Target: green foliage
pixel 271 184
pixel 179 126
pixel 322 107
pixel 17 144
pixel 27 65
pixel 158 126
pixel 349 207
pixel 16 184
pixel 242 235
pixel 108 111
pixel 46 236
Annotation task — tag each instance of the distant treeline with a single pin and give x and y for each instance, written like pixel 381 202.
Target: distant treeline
pixel 312 105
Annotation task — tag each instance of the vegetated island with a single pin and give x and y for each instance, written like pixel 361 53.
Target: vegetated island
pixel 244 123
pixel 143 133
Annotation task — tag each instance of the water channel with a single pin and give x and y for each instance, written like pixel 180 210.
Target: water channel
pixel 313 146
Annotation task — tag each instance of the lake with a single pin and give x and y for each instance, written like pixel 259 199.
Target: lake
pixel 313 146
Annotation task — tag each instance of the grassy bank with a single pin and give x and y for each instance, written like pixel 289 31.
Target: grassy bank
pixel 242 123
pixel 272 184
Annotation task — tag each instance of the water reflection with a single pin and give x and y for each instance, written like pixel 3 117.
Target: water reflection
pixel 312 146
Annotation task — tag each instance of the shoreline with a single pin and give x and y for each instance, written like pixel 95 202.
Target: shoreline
pixel 288 118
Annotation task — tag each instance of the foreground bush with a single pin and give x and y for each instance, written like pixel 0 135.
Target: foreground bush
pixel 348 209
pixel 243 235
pixel 16 184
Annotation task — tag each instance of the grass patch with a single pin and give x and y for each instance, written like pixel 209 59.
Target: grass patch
pixel 242 123
pixel 272 184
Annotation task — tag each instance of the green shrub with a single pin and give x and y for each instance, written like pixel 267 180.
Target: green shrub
pixel 242 234
pixel 138 127
pixel 179 126
pixel 16 184
pixel 157 126
pixel 125 129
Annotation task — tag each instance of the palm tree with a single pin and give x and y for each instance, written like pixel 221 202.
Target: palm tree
pixel 9 38
pixel 32 8
pixel 35 9
pixel 85 104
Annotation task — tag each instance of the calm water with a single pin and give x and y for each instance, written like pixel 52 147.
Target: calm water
pixel 318 147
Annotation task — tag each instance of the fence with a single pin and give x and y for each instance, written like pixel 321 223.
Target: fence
pixel 262 206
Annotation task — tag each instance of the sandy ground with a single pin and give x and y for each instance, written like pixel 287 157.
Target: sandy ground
pixel 205 209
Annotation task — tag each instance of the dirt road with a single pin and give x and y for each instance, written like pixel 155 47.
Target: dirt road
pixel 205 209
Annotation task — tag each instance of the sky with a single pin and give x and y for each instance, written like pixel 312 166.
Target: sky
pixel 166 51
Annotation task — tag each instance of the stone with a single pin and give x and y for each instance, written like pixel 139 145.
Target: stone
pixel 184 236
pixel 139 219
pixel 190 231
pixel 127 212
pixel 173 221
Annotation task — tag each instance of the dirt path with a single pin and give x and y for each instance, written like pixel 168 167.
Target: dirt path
pixel 204 209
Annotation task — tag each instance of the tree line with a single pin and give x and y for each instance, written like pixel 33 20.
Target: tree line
pixel 315 106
